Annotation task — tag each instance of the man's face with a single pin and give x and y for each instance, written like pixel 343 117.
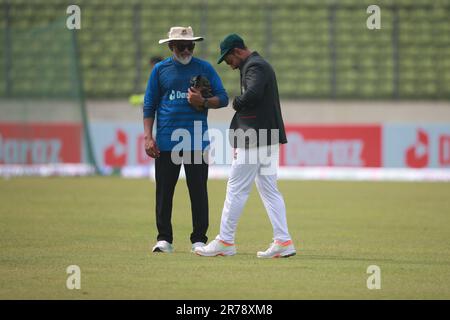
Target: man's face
pixel 183 50
pixel 232 60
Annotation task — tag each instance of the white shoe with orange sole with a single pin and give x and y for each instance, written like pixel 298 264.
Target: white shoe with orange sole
pixel 278 249
pixel 216 248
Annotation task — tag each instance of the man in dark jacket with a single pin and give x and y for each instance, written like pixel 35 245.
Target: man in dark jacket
pixel 256 131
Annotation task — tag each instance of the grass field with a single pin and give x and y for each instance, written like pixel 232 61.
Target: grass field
pixel 107 226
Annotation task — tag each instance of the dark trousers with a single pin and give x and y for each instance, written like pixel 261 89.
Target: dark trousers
pixel 167 173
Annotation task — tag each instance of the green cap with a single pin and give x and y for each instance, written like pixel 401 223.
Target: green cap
pixel 231 41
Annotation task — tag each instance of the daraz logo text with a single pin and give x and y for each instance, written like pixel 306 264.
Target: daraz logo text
pixel 177 95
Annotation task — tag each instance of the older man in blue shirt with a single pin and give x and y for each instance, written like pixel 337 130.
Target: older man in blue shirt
pixel 177 106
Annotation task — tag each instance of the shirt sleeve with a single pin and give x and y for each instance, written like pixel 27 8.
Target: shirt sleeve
pixel 152 94
pixel 217 87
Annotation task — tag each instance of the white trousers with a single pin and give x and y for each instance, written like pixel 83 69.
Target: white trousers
pixel 259 165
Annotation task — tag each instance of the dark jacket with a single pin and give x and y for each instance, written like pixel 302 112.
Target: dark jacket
pixel 258 106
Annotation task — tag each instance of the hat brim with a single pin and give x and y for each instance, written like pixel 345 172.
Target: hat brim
pixel 180 39
pixel 222 56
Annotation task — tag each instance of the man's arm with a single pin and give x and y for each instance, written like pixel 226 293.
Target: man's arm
pixel 151 101
pixel 152 95
pixel 151 148
pixel 196 99
pixel 255 80
pixel 214 103
pixel 220 97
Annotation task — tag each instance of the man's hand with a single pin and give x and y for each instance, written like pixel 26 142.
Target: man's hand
pixel 196 99
pixel 236 105
pixel 151 148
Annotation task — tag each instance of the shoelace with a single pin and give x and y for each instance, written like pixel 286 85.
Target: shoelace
pixel 271 246
pixel 215 244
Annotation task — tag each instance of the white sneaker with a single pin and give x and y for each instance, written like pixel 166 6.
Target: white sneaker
pixel 197 245
pixel 216 248
pixel 278 249
pixel 163 246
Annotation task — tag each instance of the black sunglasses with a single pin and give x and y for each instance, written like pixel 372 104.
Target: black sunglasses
pixel 182 46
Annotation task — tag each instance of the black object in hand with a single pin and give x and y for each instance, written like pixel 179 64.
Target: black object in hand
pixel 202 83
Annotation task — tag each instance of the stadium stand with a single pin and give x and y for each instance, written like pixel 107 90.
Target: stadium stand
pixel 318 51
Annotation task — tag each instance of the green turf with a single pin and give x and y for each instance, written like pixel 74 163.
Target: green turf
pixel 107 225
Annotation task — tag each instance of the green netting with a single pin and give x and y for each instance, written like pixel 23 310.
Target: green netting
pixel 320 49
pixel 41 89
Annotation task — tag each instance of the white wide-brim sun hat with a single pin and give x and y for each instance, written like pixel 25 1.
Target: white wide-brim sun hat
pixel 181 33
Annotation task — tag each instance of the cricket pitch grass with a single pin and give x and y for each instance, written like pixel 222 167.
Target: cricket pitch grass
pixel 106 226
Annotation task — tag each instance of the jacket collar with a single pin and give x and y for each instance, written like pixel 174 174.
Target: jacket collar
pixel 244 62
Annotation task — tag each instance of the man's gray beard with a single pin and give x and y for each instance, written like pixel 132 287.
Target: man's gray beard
pixel 183 60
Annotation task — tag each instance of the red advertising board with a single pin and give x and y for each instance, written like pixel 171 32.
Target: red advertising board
pixel 40 143
pixel 332 146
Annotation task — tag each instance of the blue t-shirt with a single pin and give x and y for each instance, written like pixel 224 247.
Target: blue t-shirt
pixel 166 95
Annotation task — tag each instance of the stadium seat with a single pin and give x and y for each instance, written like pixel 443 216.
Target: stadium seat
pixel 305 46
